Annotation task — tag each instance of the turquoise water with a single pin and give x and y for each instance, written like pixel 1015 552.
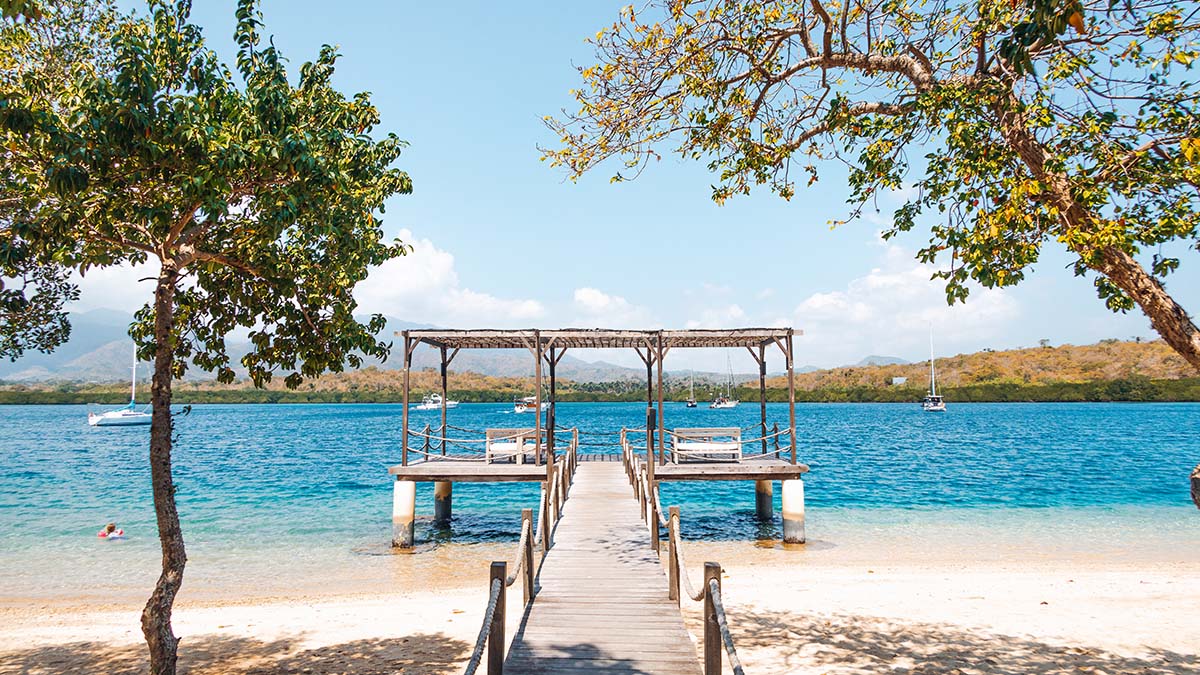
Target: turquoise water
pixel 308 483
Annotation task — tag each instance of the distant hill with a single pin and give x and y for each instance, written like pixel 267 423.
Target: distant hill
pixel 1105 361
pixel 881 361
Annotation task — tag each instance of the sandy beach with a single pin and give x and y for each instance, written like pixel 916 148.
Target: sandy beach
pixel 791 611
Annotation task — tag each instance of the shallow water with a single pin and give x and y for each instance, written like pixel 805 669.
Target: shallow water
pixel 283 494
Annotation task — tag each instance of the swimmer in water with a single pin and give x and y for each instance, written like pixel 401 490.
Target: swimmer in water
pixel 110 531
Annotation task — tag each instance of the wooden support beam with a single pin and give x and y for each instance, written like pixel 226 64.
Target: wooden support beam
pixel 762 393
pixel 661 455
pixel 445 368
pixel 791 375
pixel 407 363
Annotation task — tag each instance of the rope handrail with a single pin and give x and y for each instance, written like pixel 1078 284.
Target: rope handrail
pixel 714 592
pixel 481 641
pixel 683 573
pixel 512 578
pixel 685 435
pixel 491 633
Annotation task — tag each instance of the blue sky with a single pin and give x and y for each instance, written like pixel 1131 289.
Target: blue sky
pixel 503 240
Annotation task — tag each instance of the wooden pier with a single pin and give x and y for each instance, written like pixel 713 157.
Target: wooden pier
pixel 602 602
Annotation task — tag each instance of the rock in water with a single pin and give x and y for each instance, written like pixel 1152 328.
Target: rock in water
pixel 1196 486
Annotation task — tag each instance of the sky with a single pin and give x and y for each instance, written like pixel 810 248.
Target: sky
pixel 502 240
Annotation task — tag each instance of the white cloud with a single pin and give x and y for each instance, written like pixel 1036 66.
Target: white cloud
pixel 117 287
pixel 423 287
pixel 890 311
pixel 597 309
pixel 724 316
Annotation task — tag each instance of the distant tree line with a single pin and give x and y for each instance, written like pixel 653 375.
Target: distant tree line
pixel 1126 389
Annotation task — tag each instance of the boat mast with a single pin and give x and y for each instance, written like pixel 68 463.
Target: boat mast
pixel 133 380
pixel 932 373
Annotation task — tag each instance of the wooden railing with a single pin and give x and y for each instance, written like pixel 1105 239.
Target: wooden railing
pixel 717 637
pixel 491 636
pixel 471 445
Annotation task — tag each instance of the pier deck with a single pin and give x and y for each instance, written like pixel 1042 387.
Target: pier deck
pixel 602 604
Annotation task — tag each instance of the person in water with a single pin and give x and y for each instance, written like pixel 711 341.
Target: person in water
pixel 110 531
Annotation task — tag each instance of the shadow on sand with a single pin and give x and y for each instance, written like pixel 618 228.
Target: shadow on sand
pixel 791 643
pixel 425 654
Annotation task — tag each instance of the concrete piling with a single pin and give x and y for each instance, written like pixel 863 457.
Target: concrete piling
pixel 793 511
pixel 442 498
pixel 764 499
pixel 404 508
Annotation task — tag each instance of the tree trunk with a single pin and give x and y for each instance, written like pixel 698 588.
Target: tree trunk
pixel 1166 316
pixel 156 617
pixel 1196 485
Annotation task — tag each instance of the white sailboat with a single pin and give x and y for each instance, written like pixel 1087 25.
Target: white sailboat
pixel 434 402
pixel 691 402
pixel 725 400
pixel 932 402
pixel 128 416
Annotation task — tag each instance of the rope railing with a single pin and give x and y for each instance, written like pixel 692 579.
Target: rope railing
pixel 717 636
pixel 744 441
pixel 714 593
pixel 489 616
pixel 491 633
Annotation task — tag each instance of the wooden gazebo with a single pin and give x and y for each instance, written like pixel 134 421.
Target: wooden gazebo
pixel 547 348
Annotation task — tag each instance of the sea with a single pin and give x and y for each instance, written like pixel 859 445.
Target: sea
pixel 279 500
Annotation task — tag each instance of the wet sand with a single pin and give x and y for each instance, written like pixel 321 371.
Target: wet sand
pixel 816 610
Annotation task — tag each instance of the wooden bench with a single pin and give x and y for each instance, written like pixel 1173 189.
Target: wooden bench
pixel 710 443
pixel 509 444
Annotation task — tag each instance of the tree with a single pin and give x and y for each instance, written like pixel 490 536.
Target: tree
pixel 40 56
pixel 1013 123
pixel 257 198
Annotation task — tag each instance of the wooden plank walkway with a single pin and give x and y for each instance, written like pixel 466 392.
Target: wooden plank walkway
pixel 601 605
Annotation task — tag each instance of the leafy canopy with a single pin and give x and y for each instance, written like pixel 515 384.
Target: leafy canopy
pixel 40 57
pixel 1007 123
pixel 261 194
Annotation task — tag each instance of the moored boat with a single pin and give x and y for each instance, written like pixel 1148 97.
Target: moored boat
pixel 932 402
pixel 434 402
pixel 528 404
pixel 129 416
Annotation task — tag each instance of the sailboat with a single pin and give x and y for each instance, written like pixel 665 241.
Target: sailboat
pixel 725 400
pixel 932 402
pixel 123 417
pixel 691 402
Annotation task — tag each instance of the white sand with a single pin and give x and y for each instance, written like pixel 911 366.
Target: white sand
pixel 789 616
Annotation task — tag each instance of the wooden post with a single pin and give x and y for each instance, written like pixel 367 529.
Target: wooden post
pixel 527 521
pixel 712 631
pixel 545 515
pixel 775 434
pixel 672 554
pixel 445 365
pixel 495 640
pixel 404 507
pixel 764 499
pixel 793 511
pixel 537 403
pixel 654 542
pixel 762 393
pixel 651 428
pixel 551 421
pixel 407 362
pixel 442 498
pixel 791 371
pixel 659 361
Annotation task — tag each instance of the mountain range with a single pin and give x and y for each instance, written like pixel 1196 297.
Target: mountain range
pixel 100 351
